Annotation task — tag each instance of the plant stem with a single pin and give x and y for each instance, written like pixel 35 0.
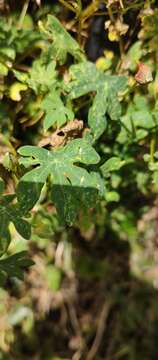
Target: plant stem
pixel 67 5
pixel 152 148
pixel 23 13
pixel 79 21
pixel 90 10
pixel 121 47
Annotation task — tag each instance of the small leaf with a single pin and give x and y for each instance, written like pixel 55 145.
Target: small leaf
pixel 11 213
pixel 144 74
pixel 21 76
pixel 27 195
pixel 96 116
pixel 111 196
pixel 42 76
pixel 56 112
pixel 14 266
pixel 143 118
pixel 112 164
pixel 3 69
pixel 8 52
pixel 133 56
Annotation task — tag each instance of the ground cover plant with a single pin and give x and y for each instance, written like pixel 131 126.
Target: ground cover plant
pixel 78 180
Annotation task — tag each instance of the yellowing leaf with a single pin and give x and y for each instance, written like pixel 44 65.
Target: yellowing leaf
pixel 15 90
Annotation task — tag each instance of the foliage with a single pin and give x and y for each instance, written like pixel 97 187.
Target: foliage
pixel 78 177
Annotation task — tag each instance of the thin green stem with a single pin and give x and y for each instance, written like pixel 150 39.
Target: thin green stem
pixel 152 148
pixel 133 127
pixel 23 14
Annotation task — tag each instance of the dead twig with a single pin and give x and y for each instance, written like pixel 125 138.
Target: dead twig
pixel 100 330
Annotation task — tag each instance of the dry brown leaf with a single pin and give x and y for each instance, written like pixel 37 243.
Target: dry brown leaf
pixel 144 74
pixel 61 136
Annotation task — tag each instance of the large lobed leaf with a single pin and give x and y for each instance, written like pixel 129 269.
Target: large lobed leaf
pixel 72 185
pixel 63 43
pixel 86 78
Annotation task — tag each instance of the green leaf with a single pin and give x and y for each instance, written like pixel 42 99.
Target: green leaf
pixel 8 52
pixel 21 76
pixel 155 177
pixel 3 69
pixel 14 266
pixel 86 78
pixel 53 277
pixel 111 196
pixel 141 102
pixel 143 118
pixel 133 55
pixel 56 111
pixel 138 119
pixel 11 213
pixel 63 43
pixel 114 107
pixel 112 164
pixel 14 41
pixel 42 76
pixel 96 116
pixel 141 134
pixel 28 195
pixel 72 185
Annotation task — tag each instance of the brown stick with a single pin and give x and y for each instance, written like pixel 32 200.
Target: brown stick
pixel 100 330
